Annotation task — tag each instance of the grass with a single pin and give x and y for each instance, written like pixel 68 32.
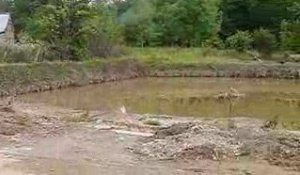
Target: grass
pixel 150 55
pixel 152 122
pixel 19 53
pixel 174 55
pixel 82 118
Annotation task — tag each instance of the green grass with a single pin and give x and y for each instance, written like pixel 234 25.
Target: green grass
pixel 81 118
pixel 152 122
pixel 186 55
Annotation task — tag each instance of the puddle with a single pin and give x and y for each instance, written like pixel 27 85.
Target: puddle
pixel 268 98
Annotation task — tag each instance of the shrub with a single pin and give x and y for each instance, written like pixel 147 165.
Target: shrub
pixel 101 46
pixel 17 53
pixel 107 35
pixel 290 36
pixel 214 42
pixel 264 42
pixel 240 41
pixel 24 53
pixel 152 122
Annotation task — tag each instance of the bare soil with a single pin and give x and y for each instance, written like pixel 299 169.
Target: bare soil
pixel 39 139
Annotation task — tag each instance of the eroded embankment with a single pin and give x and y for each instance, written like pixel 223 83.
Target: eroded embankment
pixel 234 70
pixel 25 78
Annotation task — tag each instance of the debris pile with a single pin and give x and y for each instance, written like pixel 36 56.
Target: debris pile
pixel 208 140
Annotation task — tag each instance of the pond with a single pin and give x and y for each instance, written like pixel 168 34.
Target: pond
pixel 261 98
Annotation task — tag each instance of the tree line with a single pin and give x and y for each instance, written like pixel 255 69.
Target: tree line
pixel 75 29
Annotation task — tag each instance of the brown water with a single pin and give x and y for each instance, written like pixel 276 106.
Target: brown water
pixel 267 99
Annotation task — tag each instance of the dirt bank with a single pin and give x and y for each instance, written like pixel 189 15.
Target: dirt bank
pixel 24 78
pixel 234 70
pixel 61 142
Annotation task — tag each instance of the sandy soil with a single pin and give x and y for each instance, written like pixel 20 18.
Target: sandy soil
pixel 53 141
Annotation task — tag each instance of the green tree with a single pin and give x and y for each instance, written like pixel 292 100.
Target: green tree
pixel 107 32
pixel 264 42
pixel 22 10
pixel 254 14
pixel 64 26
pixel 187 23
pixel 169 22
pixel 4 6
pixel 138 22
pixel 290 35
pixel 294 11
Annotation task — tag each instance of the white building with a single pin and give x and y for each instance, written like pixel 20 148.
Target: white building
pixel 6 29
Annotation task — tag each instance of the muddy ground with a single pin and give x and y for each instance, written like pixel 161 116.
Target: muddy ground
pixel 39 139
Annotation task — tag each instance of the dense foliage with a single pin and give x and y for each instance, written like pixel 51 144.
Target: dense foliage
pixel 240 41
pixel 4 6
pixel 76 29
pixel 63 26
pixel 264 41
pixel 170 23
pixel 253 14
pixel 290 35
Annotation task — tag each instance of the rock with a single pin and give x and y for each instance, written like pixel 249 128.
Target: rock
pixel 103 127
pixel 142 134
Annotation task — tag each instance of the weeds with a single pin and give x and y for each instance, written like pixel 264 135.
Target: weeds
pixel 155 56
pixel 83 117
pixel 24 53
pixel 152 122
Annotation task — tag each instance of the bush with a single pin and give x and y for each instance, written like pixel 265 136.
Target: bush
pixel 102 47
pixel 290 36
pixel 152 122
pixel 264 42
pixel 214 42
pixel 240 41
pixel 24 53
pixel 107 35
pixel 16 53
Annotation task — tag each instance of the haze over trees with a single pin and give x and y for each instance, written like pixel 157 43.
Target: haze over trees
pixel 76 29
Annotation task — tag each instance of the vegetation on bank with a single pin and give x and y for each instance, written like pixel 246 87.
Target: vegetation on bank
pixel 35 77
pixel 82 29
pixel 153 55
pixel 205 55
pixel 177 55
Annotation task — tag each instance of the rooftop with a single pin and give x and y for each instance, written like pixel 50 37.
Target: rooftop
pixel 4 19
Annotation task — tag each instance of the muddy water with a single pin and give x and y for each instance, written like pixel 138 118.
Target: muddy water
pixel 267 99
